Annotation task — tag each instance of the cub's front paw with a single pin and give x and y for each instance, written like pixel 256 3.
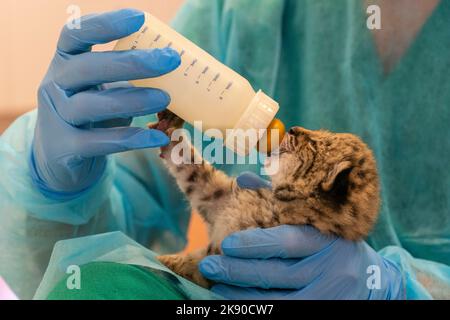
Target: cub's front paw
pixel 167 120
pixel 168 123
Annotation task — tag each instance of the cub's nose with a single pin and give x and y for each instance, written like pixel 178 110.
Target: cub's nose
pixel 297 131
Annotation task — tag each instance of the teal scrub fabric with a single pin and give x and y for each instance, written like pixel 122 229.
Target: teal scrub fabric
pixel 317 58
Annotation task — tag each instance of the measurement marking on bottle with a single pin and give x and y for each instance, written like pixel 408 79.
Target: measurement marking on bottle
pixel 182 53
pixel 136 42
pixel 213 81
pixel 169 45
pixel 205 71
pixel 186 72
pixel 155 40
pixel 225 90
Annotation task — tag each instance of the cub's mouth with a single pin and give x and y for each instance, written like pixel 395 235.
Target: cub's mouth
pixel 271 163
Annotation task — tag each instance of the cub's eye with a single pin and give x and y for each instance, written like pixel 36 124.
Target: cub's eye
pixel 295 132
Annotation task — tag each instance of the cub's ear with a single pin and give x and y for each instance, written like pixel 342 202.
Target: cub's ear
pixel 337 179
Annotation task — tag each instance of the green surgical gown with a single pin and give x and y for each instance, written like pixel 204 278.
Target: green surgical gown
pixel 318 60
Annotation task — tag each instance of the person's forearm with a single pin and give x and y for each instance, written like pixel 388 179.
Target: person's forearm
pixel 30 224
pixel 423 279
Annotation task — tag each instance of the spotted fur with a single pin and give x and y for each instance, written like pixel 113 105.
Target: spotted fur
pixel 326 180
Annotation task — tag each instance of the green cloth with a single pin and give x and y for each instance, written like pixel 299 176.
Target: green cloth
pixel 117 281
pixel 318 59
pixel 139 274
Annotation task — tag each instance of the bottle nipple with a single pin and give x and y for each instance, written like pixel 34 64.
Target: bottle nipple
pixel 276 128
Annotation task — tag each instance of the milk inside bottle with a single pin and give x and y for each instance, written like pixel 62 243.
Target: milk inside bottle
pixel 204 90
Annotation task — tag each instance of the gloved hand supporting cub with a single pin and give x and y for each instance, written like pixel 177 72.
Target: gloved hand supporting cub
pixel 298 262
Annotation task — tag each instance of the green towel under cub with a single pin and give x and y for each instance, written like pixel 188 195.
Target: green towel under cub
pixel 116 281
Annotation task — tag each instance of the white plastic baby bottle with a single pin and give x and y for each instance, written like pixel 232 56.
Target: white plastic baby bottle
pixel 203 89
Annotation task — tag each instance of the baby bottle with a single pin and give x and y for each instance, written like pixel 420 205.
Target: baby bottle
pixel 203 89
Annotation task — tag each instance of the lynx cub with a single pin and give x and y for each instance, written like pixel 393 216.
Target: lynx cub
pixel 326 180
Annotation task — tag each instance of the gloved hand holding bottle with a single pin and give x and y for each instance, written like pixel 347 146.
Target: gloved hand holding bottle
pixel 80 121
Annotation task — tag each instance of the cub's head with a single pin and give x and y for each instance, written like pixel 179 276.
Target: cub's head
pixel 330 177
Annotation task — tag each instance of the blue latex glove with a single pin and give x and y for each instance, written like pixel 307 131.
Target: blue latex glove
pixel 250 180
pixel 298 262
pixel 80 122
